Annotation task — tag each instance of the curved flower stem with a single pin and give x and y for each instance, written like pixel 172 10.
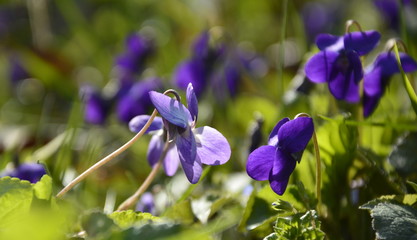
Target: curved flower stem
pixel 134 198
pixel 350 23
pixel 407 84
pixel 318 165
pixel 108 158
pixel 114 154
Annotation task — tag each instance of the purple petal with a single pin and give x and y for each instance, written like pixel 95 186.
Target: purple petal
pixel 156 146
pixel 345 75
pixel 232 77
pixel 390 11
pixel 171 160
pixel 192 102
pixel 329 42
pixel 260 162
pixel 127 109
pixel 273 137
pixel 388 63
pixel 138 122
pixel 31 172
pixel 282 168
pixel 377 78
pixel 186 145
pixel 192 170
pixel 138 49
pixel 373 83
pixel 294 135
pixel 191 71
pixel 201 45
pixel 96 109
pixel 369 104
pixel 17 71
pixel 212 146
pixel 361 42
pixel 170 109
pixel 187 151
pixel 408 63
pixel 318 67
pixel 146 203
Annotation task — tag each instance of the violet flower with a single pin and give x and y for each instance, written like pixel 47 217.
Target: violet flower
pixel 31 172
pixel 319 17
pixel 199 66
pixel 17 71
pixel 390 11
pixel 191 146
pixel 146 203
pixel 276 161
pixel 338 63
pixel 138 50
pixel 171 161
pixel 377 77
pixel 136 100
pixel 96 106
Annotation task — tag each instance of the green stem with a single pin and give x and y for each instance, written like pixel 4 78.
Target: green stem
pixel 107 158
pixel 128 203
pixel 282 49
pixel 318 165
pixel 318 172
pixel 407 84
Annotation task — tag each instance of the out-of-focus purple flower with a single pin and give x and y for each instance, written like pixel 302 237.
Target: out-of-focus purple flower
pixel 198 68
pixel 276 161
pixel 17 72
pixel 138 50
pixel 192 71
pixel 236 63
pixel 320 17
pixel 338 63
pixel 136 100
pixel 377 77
pixel 219 67
pixel 31 172
pixel 390 10
pixel 96 106
pixel 146 203
pixel 191 146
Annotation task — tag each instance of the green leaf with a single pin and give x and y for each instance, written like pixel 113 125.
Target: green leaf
pixel 299 226
pixel 22 216
pixel 393 221
pixel 258 209
pixel 272 236
pixel 407 199
pixel 97 224
pixel 402 157
pixel 413 185
pixel 43 188
pixel 128 218
pixel 15 196
pixel 282 206
pixel 181 212
pixel 149 231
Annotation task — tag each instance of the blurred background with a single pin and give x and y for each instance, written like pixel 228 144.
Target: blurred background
pixel 73 73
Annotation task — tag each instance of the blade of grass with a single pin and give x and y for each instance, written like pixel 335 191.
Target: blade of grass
pixel 407 84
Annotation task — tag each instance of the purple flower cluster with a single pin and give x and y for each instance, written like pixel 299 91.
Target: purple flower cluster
pixel 338 63
pixel 220 67
pixel 131 97
pixel 276 161
pixel 188 145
